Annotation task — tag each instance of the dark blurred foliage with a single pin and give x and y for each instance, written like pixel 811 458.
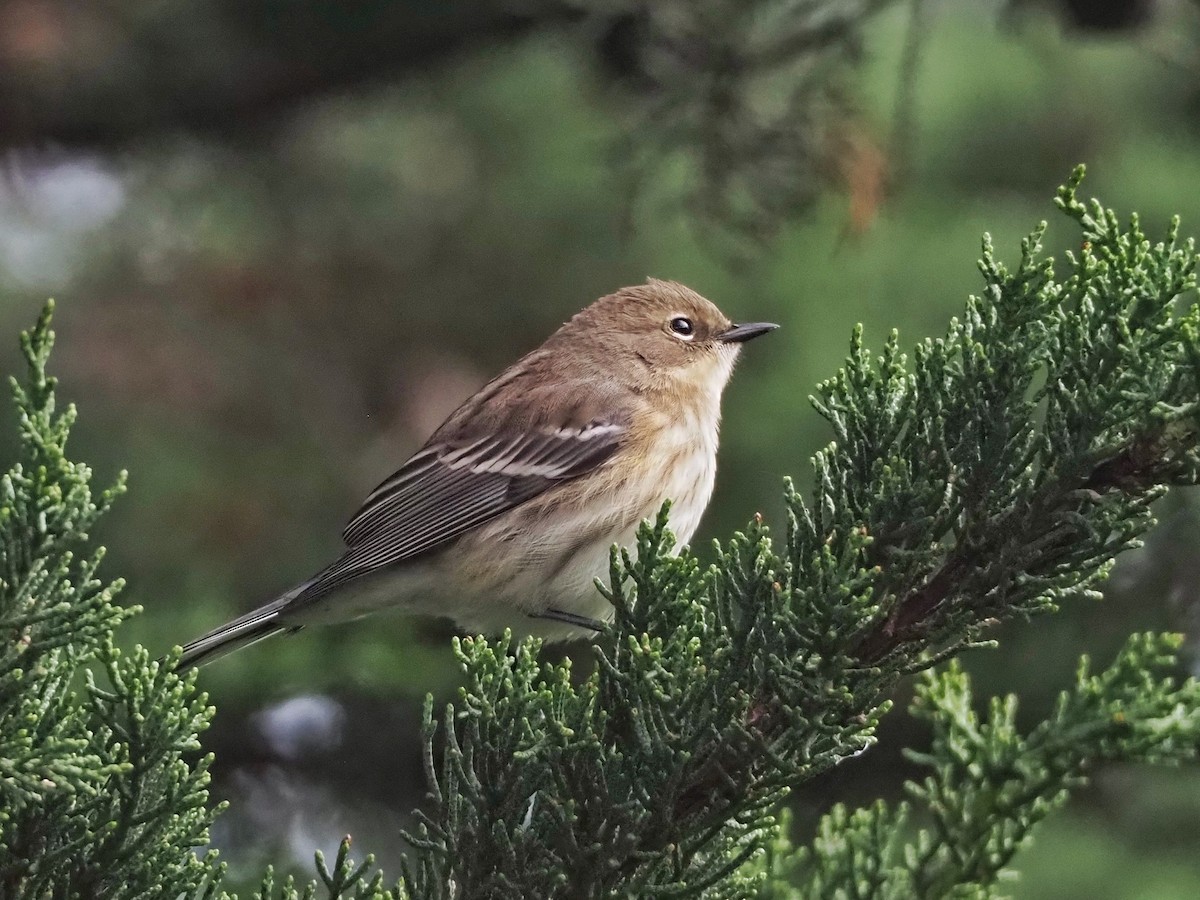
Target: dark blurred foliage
pixel 748 95
pixel 109 73
pixel 288 238
pixel 1097 16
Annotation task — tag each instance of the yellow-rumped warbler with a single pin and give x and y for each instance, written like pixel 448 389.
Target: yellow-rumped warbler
pixel 506 516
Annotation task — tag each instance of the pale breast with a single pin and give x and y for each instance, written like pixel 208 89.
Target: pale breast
pixel 548 552
pixel 688 468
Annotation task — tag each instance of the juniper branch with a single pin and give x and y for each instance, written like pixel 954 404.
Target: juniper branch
pixel 96 799
pixel 996 475
pixel 989 785
pixel 960 553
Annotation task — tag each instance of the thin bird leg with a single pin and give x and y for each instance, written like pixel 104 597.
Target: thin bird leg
pixel 558 615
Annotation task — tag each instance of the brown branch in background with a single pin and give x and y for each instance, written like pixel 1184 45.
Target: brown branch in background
pixel 59 85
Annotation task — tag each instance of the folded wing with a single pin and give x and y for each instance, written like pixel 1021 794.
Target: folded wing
pixel 453 486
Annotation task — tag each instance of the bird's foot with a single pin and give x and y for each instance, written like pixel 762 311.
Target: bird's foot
pixel 558 615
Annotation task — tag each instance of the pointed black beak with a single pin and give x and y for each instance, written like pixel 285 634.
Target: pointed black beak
pixel 739 334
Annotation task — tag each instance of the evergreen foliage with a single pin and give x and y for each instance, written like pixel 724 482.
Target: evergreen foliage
pixel 751 101
pixel 96 799
pixel 989 785
pixel 995 475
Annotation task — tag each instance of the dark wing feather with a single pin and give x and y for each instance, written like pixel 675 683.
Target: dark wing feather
pixel 451 487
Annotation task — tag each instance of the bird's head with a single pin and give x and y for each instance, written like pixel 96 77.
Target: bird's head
pixel 661 335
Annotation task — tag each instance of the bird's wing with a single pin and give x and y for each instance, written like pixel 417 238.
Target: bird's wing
pixel 452 486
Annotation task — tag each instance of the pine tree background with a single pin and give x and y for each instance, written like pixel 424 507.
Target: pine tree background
pixel 259 273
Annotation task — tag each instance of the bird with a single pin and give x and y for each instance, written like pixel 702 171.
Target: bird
pixel 507 515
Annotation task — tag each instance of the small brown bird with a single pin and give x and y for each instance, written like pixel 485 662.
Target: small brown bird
pixel 506 517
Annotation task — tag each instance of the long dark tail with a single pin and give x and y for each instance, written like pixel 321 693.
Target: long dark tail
pixel 254 626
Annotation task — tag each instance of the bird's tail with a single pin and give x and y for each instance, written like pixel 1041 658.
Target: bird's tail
pixel 254 626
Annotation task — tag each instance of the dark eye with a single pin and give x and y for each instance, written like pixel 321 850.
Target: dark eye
pixel 682 326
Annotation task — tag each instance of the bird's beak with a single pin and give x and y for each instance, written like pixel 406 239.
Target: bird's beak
pixel 739 334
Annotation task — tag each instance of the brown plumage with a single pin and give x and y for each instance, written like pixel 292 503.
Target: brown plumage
pixel 505 517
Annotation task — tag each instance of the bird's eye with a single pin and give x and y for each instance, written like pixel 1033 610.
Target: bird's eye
pixel 683 326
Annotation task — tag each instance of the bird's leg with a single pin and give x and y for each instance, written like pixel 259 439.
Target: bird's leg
pixel 558 615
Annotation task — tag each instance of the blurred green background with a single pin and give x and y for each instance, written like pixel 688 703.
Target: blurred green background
pixel 288 238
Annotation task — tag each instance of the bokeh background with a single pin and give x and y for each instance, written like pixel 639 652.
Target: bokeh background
pixel 287 238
